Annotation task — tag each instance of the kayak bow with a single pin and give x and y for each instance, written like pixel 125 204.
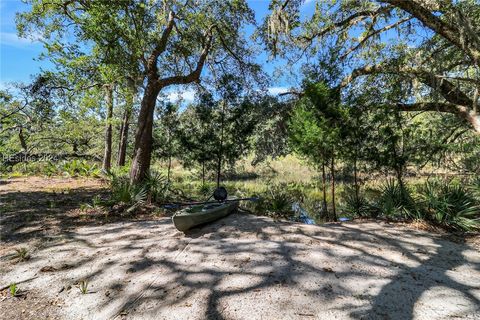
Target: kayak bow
pixel 200 214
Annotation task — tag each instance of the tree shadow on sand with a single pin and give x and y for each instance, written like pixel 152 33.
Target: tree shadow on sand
pixel 282 267
pixel 398 299
pixel 247 265
pixel 31 215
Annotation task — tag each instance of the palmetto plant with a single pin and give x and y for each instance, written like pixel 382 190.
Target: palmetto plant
pixel 125 193
pixel 357 206
pixel 475 189
pixel 396 200
pixel 50 169
pixel 276 200
pixel 79 168
pixel 156 186
pixel 451 205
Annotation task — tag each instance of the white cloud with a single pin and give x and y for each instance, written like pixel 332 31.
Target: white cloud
pixel 186 95
pixel 12 39
pixel 274 91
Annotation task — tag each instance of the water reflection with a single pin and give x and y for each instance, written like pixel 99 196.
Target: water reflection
pixel 301 215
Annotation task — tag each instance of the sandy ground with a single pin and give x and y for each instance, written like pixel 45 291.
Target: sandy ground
pixel 241 267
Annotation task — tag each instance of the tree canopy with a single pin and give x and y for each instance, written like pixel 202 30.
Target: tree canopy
pixel 429 51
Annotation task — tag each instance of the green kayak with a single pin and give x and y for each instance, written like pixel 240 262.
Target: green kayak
pixel 197 215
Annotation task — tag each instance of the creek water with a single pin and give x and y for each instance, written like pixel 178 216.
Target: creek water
pixel 303 216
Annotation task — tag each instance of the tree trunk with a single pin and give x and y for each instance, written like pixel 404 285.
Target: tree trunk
pixel 399 174
pixel 203 173
pixel 21 137
pixel 332 170
pixel 123 142
pixel 142 153
pixel 220 151
pixel 107 156
pixel 355 178
pixel 324 187
pixel 122 145
pixel 169 140
pixel 169 168
pixel 476 123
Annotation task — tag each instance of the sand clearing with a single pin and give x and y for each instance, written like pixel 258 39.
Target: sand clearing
pixel 243 267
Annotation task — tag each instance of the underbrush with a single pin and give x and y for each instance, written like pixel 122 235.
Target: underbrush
pixel 73 168
pixel 128 197
pixel 452 205
pixel 449 204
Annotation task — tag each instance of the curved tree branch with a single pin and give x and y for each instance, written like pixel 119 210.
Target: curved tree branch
pixel 195 74
pixel 448 90
pixel 459 35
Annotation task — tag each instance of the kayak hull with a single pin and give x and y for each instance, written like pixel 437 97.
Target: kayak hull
pixel 201 214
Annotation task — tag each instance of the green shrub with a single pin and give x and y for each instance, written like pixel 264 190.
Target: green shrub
pixel 450 205
pixel 205 190
pixel 395 200
pixel 13 289
pixel 156 186
pixel 356 206
pixel 276 201
pixel 279 198
pixel 475 189
pixel 50 169
pixel 124 193
pixel 73 168
pixel 79 168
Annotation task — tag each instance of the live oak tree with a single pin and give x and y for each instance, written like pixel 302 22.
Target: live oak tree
pixel 79 66
pixel 27 110
pixel 431 47
pixel 167 42
pixel 190 35
pixel 42 120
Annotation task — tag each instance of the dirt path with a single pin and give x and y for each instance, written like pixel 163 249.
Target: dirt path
pixel 241 267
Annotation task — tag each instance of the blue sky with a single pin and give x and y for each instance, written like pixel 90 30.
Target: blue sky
pixel 18 57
